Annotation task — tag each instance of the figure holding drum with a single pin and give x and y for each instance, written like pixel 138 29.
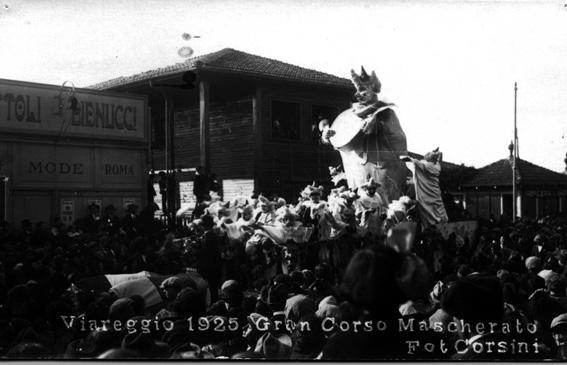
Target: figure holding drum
pixel 370 139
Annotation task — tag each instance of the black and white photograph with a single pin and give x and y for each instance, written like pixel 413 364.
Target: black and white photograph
pixel 342 180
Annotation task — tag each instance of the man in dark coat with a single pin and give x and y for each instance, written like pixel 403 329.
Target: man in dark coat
pixel 92 220
pixel 130 220
pixel 110 222
pixel 209 262
pixel 201 185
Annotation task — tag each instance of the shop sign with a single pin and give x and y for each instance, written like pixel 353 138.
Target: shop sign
pixel 49 109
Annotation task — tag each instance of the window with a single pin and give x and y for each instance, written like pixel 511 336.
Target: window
pixel 318 113
pixel 235 188
pixel 186 197
pixel 285 120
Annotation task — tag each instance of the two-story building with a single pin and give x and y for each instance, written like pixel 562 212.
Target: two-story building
pixel 250 120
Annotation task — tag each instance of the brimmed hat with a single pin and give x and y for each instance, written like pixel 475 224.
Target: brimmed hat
pixel 559 323
pixel 298 306
pixel 231 286
pixel 328 307
pixel 371 183
pixel 172 282
pixel 274 347
pixel 533 262
pixel 110 208
pixel 144 344
pixel 131 208
pixel 548 275
pixel 93 206
pixel 259 322
pixel 121 309
pixel 119 354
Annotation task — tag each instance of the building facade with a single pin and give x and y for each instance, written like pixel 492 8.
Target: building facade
pixel 62 149
pixel 489 192
pixel 250 120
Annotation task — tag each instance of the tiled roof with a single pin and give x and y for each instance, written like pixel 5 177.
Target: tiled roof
pixel 499 173
pixel 234 61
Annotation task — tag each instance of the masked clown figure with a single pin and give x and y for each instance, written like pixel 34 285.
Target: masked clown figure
pixel 430 208
pixel 265 213
pixel 369 207
pixel 370 139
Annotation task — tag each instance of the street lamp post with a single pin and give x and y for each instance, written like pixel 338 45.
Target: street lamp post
pixel 514 157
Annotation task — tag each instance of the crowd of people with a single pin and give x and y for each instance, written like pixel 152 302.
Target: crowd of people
pixel 336 275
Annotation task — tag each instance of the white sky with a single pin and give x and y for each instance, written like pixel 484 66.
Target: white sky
pixel 450 66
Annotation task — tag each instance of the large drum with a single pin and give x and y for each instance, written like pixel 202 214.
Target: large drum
pixel 346 126
pixel 349 123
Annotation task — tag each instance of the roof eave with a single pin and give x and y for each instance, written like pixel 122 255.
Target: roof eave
pixel 247 74
pixel 261 76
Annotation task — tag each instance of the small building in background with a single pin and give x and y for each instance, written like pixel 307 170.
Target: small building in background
pixel 540 191
pixel 250 120
pixel 62 149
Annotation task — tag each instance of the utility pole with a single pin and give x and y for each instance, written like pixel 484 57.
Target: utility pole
pixel 169 196
pixel 514 157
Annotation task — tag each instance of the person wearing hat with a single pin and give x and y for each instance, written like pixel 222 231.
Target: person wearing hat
pixel 559 331
pixel 143 287
pixel 314 193
pixel 530 280
pixel 110 222
pixel 556 287
pixel 287 227
pixel 91 221
pixel 277 297
pixel 129 222
pixel 266 214
pixel 343 211
pixel 370 286
pixel 246 217
pixel 312 214
pixel 256 325
pixel 209 261
pixel 274 346
pixel 369 208
pixel 540 248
